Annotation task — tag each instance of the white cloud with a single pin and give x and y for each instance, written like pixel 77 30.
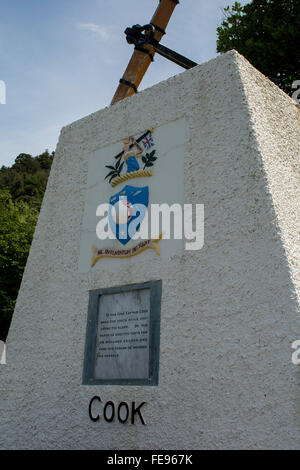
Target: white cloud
pixel 100 30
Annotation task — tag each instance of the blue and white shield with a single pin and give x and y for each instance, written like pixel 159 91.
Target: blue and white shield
pixel 127 210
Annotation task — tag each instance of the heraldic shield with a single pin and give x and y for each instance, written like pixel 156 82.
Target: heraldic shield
pixel 127 210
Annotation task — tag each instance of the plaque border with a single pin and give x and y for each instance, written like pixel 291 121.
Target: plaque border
pixel 154 334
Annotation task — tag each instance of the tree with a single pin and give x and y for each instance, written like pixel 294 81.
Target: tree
pixel 22 189
pixel 267 33
pixel 26 180
pixel 18 220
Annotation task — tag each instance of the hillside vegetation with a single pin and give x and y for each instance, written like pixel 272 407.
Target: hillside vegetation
pixel 22 188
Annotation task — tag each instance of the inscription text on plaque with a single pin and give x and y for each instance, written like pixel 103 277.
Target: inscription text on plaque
pixel 122 341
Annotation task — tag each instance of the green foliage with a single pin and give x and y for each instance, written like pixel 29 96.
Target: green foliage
pixel 149 158
pixel 18 220
pixel 267 33
pixel 21 193
pixel 115 170
pixel 26 180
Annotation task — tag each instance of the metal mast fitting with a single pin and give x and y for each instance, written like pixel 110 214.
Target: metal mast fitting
pixel 140 59
pixel 142 35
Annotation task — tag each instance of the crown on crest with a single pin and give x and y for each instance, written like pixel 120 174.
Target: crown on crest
pixel 134 161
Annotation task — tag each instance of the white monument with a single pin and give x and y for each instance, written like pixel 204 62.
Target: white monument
pixel 143 344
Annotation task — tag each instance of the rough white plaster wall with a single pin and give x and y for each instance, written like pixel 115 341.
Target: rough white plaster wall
pixel 272 120
pixel 229 311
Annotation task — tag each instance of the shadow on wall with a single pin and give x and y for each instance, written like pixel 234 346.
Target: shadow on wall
pixel 2 353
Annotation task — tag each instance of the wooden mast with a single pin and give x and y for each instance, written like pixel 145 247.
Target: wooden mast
pixel 140 61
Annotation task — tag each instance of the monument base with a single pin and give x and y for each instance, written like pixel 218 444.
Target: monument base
pixel 227 138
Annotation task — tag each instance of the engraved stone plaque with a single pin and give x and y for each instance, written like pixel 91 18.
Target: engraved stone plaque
pixel 122 346
pixel 122 343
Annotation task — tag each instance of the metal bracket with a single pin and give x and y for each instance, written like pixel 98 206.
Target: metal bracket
pixel 143 35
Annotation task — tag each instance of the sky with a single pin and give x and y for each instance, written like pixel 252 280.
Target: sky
pixel 61 60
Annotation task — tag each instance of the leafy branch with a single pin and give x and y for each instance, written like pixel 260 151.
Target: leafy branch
pixel 115 170
pixel 149 158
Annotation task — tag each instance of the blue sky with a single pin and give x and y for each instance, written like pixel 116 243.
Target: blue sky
pixel 62 59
